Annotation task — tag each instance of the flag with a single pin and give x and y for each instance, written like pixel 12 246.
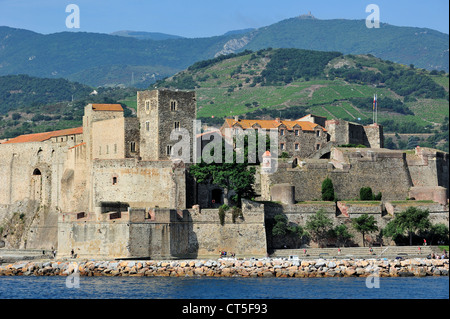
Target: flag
pixel 374 102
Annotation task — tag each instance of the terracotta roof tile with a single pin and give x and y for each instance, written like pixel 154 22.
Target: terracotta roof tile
pixel 40 137
pixel 268 124
pixel 107 107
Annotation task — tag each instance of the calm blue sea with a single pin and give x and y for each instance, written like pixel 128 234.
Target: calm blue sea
pixel 220 288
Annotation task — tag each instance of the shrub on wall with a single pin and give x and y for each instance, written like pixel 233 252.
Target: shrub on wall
pixel 365 193
pixel 328 190
pixel 222 210
pixel 235 213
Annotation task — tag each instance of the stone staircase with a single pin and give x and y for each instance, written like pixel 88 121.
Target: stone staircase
pixel 357 252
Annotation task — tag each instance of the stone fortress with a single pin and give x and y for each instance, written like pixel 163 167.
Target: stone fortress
pixel 109 189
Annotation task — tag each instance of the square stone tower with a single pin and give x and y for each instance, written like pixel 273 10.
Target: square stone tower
pixel 160 112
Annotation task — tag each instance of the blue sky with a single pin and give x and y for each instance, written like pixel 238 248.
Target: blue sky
pixel 203 18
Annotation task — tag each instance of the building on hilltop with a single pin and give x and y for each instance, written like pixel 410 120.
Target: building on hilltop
pixel 313 136
pixel 296 138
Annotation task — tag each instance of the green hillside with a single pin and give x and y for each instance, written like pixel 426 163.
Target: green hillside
pixel 290 83
pixel 138 59
pixel 286 83
pixel 32 105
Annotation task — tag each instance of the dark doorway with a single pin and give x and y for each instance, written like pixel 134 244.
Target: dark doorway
pixel 216 197
pixel 326 155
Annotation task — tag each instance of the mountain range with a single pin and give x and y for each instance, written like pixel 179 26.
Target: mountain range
pixel 132 58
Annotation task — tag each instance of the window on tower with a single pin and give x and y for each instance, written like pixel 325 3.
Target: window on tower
pixel 173 105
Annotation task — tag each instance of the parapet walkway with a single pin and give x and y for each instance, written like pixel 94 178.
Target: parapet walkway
pixel 12 255
pixel 357 252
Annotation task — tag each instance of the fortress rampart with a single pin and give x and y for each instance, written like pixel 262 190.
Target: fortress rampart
pixel 109 189
pixel 394 173
pixel 163 233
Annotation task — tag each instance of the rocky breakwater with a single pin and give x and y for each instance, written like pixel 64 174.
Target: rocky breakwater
pixel 234 268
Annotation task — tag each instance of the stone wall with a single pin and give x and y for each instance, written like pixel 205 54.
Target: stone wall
pixel 30 184
pixel 159 113
pixel 139 183
pixel 429 168
pixel 349 169
pixel 245 236
pixel 91 116
pixel 164 233
pixel 308 142
pixel 184 114
pixel 343 213
pixel 147 112
pixel 108 139
pixel 132 136
pixel 343 132
pixel 374 135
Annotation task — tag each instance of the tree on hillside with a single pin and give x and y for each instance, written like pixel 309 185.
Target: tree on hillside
pixel 410 221
pixel 319 226
pixel 365 224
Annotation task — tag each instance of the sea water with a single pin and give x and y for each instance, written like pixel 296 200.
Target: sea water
pixel 58 287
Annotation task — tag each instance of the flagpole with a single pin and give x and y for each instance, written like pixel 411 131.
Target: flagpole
pixel 373 110
pixel 376 108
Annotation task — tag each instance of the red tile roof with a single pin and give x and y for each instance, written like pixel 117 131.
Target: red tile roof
pixel 107 107
pixel 40 137
pixel 268 124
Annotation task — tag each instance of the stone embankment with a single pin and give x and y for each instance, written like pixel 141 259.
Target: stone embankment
pixel 234 268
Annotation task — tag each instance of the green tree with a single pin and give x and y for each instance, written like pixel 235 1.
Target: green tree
pixel 438 233
pixel 410 221
pixel 342 234
pixel 222 210
pixel 239 177
pixel 364 224
pixel 328 190
pixel 365 193
pixel 280 227
pixel 319 226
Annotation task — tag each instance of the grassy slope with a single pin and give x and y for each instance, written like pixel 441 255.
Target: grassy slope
pixel 318 96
